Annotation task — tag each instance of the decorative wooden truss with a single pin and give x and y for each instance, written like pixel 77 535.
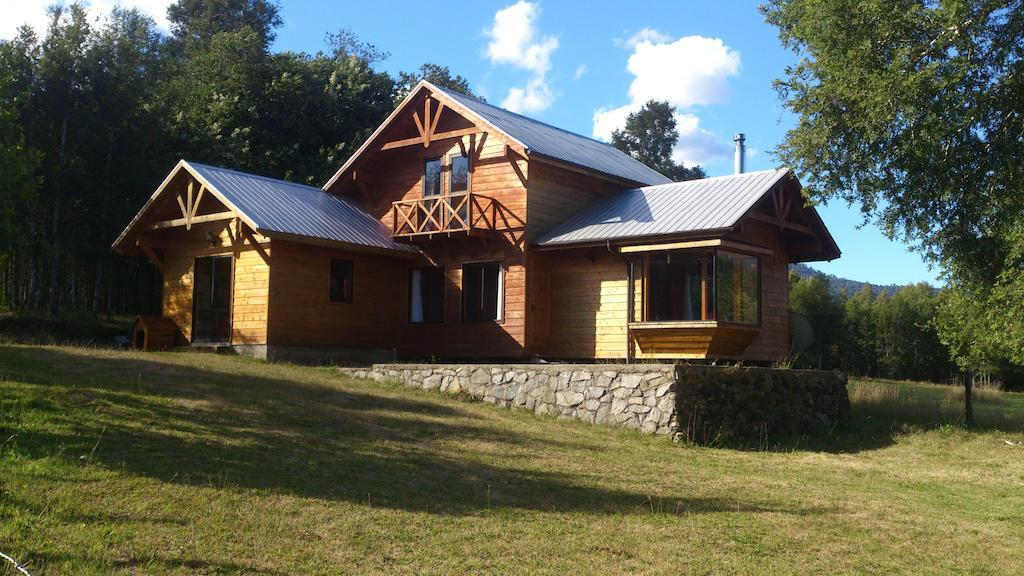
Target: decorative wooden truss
pixel 466 214
pixel 189 206
pixel 427 128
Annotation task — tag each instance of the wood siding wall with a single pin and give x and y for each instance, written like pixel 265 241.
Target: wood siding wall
pixel 250 298
pixel 581 299
pixel 585 313
pixel 301 313
pixel 496 173
pixel 557 193
pixel 772 343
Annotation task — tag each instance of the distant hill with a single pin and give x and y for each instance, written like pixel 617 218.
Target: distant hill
pixel 837 284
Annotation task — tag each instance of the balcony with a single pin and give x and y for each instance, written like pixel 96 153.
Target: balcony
pixel 464 214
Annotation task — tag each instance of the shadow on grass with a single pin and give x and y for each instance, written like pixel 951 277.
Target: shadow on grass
pixel 881 411
pixel 367 445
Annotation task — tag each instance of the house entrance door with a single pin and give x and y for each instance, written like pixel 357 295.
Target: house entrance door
pixel 211 300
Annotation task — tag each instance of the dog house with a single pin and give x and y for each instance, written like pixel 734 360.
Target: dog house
pixel 153 333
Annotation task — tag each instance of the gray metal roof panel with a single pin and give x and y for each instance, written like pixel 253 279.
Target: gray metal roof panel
pixel 679 207
pixel 297 209
pixel 558 144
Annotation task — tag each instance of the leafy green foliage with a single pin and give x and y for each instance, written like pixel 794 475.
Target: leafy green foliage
pixel 869 334
pixel 912 111
pixel 437 75
pixel 649 135
pixel 94 115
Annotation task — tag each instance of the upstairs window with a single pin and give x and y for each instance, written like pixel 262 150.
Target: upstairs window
pixel 738 287
pixel 458 180
pixel 426 295
pixel 482 297
pixel 341 281
pixel 432 177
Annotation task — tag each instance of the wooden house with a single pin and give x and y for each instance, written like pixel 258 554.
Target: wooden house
pixel 462 230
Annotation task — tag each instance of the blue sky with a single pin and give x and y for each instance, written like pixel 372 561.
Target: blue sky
pixel 583 66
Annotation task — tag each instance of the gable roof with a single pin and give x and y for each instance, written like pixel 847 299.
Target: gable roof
pixel 532 136
pixel 557 144
pixel 710 205
pixel 286 209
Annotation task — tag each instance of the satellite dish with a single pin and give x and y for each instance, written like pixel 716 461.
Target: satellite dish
pixel 801 333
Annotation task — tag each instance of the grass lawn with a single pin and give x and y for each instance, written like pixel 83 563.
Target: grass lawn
pixel 117 462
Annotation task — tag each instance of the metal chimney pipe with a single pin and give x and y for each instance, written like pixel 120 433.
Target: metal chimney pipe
pixel 740 157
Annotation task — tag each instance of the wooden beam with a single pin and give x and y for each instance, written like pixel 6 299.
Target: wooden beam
pixel 419 125
pixel 748 248
pixel 437 118
pixel 434 137
pixel 152 256
pixel 184 211
pixel 714 242
pixel 781 223
pixel 671 246
pixel 197 220
pixel 252 240
pixel 188 214
pixel 426 121
pixel 199 198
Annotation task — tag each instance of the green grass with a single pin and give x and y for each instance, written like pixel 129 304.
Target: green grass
pixel 131 463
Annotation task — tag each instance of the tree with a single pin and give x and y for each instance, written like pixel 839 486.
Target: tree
pixel 649 136
pixel 811 297
pixel 437 75
pixel 195 22
pixel 911 110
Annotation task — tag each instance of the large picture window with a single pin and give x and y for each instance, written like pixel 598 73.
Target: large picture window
pixel 685 286
pixel 341 281
pixel 738 287
pixel 482 291
pixel 675 289
pixel 426 295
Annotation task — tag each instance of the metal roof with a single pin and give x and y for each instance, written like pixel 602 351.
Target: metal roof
pixel 546 140
pixel 276 206
pixel 680 207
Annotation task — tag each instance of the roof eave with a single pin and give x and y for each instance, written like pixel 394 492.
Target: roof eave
pixel 620 241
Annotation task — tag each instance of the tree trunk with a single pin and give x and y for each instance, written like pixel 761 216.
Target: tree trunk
pixel 969 399
pixel 55 230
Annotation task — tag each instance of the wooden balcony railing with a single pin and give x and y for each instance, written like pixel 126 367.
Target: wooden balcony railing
pixel 451 214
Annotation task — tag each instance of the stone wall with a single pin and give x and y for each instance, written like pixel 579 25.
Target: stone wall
pixel 757 403
pixel 696 403
pixel 639 396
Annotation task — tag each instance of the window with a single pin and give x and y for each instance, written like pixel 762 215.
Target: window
pixel 482 291
pixel 341 281
pixel 426 295
pixel 432 177
pixel 458 180
pixel 674 291
pixel 737 285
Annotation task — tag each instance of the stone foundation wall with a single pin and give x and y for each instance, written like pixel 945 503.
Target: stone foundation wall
pixel 757 403
pixel 639 396
pixel 696 403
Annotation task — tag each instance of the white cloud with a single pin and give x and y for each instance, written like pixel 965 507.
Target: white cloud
pixel 33 13
pixel 646 35
pixel 515 41
pixel 580 71
pixel 688 72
